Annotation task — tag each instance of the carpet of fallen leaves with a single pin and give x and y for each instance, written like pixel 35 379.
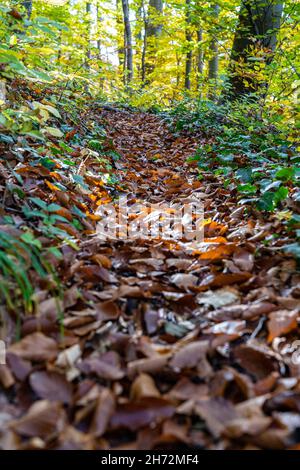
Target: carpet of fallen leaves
pixel 163 348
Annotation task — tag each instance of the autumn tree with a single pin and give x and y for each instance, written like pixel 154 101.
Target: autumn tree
pixel 153 30
pixel 254 45
pixel 188 38
pixel 213 64
pixel 128 43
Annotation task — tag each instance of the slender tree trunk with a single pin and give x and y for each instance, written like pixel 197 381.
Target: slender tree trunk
pixel 99 21
pixel 153 30
pixel 88 10
pixel 121 47
pixel 200 63
pixel 188 38
pixel 213 64
pixel 256 36
pixel 99 45
pixel 177 70
pixel 144 49
pixel 139 26
pixel 128 43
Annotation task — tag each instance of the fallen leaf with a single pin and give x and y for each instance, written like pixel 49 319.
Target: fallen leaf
pixel 184 281
pixel 104 410
pixel 282 322
pixel 256 359
pixel 219 297
pixel 216 412
pixel 189 355
pixel 144 412
pixel 51 386
pixel 35 347
pixel 44 419
pixel 143 386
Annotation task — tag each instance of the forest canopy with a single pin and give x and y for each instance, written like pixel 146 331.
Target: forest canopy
pixel 162 50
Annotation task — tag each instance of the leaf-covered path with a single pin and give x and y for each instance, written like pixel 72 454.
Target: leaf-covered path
pixel 163 346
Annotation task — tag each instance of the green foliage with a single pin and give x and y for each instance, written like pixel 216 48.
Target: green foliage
pixel 17 258
pixel 246 150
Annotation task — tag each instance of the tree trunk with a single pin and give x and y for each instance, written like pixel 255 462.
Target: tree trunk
pixel 188 38
pixel 121 44
pixel 144 49
pixel 213 64
pixel 255 37
pixel 153 30
pixel 128 42
pixel 88 10
pixel 99 21
pixel 139 30
pixel 200 63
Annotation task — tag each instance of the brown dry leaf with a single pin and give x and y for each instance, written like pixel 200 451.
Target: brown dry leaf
pixel 51 386
pixel 223 279
pixel 285 401
pixel 105 407
pixel 50 308
pixel 107 310
pixel 282 322
pixel 245 311
pixel 150 365
pixel 6 378
pixel 35 347
pixel 219 297
pixel 20 368
pixel 256 359
pixel 246 426
pixel 102 260
pixel 143 386
pixel 184 281
pixel 189 356
pixel 106 366
pixel 72 439
pixel 216 412
pixel 144 412
pixel 179 263
pixel 44 419
pixel 187 390
pixel 243 259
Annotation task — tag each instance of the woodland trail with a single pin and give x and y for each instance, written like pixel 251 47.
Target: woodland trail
pixel 163 347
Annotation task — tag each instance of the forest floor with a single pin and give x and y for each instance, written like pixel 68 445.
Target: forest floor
pixel 164 345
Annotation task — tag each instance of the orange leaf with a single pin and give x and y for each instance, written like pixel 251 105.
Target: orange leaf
pixel 215 240
pixel 65 213
pixel 218 252
pixel 52 186
pixel 282 322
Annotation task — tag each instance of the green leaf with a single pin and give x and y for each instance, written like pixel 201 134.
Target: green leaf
pixel 55 251
pixel 281 194
pixel 244 174
pixel 285 174
pixel 247 188
pixel 52 110
pixel 266 202
pixel 53 207
pixel 29 238
pixel 39 202
pixel 53 131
